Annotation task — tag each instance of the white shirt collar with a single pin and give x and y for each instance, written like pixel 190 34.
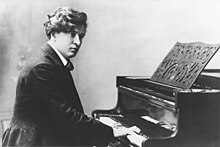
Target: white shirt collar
pixel 64 61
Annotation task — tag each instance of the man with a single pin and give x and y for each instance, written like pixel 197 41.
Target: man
pixel 47 110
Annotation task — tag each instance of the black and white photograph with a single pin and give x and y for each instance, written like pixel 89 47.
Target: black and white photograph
pixel 110 73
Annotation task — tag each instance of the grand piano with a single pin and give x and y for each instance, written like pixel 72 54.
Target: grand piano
pixel 178 106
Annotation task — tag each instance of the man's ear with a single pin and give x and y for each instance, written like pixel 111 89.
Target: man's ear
pixel 53 35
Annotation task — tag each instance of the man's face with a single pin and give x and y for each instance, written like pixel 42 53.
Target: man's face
pixel 69 43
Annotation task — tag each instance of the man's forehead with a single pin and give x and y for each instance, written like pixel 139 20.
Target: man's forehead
pixel 80 29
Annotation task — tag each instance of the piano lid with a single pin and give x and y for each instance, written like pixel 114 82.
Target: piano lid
pixel 184 63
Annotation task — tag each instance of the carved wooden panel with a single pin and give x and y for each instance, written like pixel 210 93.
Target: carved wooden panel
pixel 184 63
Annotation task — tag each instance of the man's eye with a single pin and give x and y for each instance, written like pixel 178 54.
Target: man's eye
pixel 73 34
pixel 81 36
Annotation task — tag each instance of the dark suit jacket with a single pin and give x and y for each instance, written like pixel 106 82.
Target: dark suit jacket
pixel 48 110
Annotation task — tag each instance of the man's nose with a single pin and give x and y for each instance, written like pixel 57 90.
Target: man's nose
pixel 76 40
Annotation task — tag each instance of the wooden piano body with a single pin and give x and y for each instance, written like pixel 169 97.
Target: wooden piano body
pixel 185 114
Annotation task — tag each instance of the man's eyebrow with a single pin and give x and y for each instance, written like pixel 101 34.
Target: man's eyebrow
pixel 78 32
pixel 74 31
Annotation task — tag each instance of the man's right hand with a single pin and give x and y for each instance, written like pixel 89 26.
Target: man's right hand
pixel 136 139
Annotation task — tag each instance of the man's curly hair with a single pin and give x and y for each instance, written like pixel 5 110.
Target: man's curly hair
pixel 64 20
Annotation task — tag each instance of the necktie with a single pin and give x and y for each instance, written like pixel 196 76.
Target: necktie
pixel 69 65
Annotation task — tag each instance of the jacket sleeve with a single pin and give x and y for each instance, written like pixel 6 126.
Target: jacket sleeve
pixel 54 108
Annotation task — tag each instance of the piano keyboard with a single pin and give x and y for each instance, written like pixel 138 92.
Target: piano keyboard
pixel 152 129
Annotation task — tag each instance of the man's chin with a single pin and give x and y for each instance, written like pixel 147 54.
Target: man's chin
pixel 72 55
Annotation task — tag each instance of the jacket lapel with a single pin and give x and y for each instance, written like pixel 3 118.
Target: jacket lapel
pixel 67 78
